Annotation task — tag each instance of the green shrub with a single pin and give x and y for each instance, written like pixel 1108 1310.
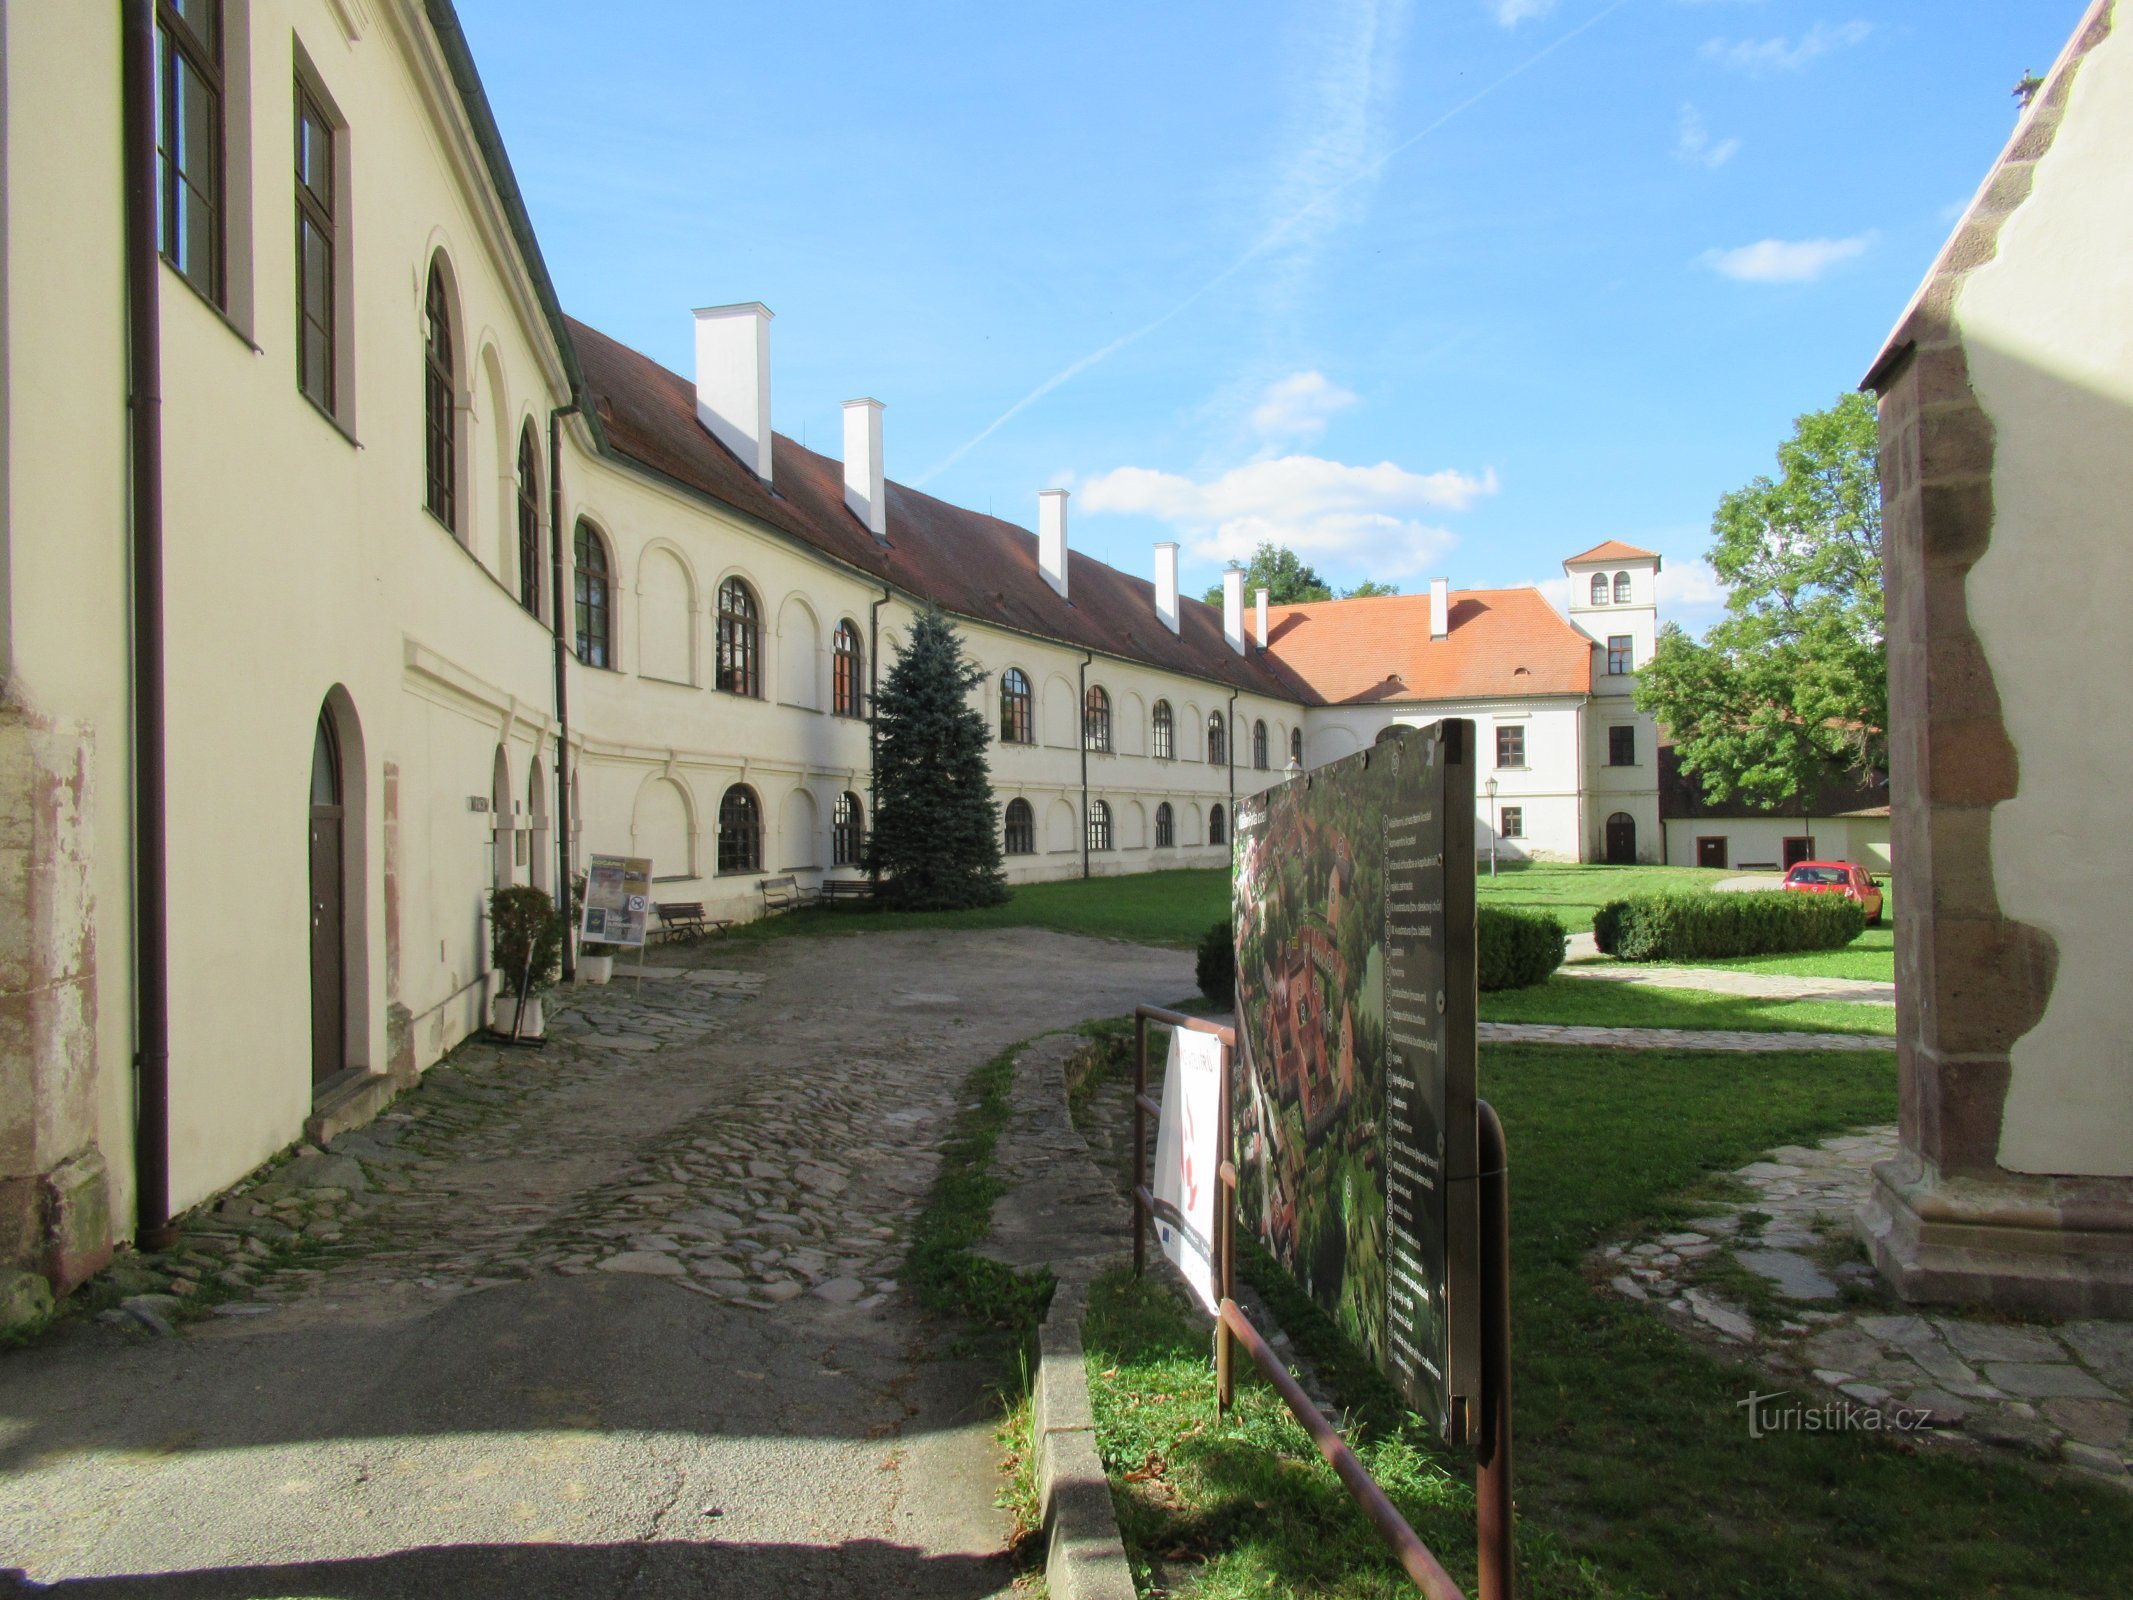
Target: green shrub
pixel 525 938
pixel 1516 949
pixel 1691 926
pixel 1217 967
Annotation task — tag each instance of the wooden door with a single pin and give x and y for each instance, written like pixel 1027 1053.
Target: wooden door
pixel 1799 850
pixel 329 966
pixel 1711 852
pixel 1621 840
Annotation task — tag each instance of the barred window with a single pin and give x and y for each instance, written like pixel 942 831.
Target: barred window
pixel 1016 721
pixel 740 640
pixel 1259 746
pixel 529 521
pixel 1217 826
pixel 1099 825
pixel 848 834
pixel 189 141
pixel 740 831
pixel 440 419
pixel 1021 829
pixel 1096 719
pixel 1166 827
pixel 1166 733
pixel 848 675
pixel 596 641
pixel 1218 739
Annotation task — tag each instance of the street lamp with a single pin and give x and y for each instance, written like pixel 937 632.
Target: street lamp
pixel 1491 786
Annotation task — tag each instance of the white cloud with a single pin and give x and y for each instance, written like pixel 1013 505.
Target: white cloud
pixel 1556 591
pixel 1693 144
pixel 1299 406
pixel 1321 509
pixel 1690 584
pixel 1510 13
pixel 1785 260
pixel 1759 56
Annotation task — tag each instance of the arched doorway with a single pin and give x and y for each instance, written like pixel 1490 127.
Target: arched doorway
pixel 329 879
pixel 1621 840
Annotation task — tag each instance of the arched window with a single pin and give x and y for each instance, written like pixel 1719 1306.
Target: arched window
pixel 1259 746
pixel 740 641
pixel 1621 588
pixel 1021 829
pixel 847 672
pixel 529 522
pixel 1017 725
pixel 1096 721
pixel 848 832
pixel 1217 739
pixel 1599 588
pixel 440 416
pixel 1099 825
pixel 596 636
pixel 740 831
pixel 1166 826
pixel 1217 826
pixel 1296 745
pixel 1166 733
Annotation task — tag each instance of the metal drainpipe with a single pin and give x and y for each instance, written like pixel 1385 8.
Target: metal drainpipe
pixel 1087 657
pixel 562 687
pixel 151 910
pixel 873 731
pixel 1229 749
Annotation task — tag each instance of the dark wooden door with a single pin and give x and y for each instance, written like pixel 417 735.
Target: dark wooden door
pixel 1710 852
pixel 1621 840
pixel 1798 850
pixel 329 966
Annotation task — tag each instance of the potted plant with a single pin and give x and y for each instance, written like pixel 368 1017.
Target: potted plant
pixel 596 962
pixel 526 947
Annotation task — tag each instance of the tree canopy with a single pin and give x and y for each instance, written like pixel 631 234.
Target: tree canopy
pixel 935 841
pixel 1290 580
pixel 1793 682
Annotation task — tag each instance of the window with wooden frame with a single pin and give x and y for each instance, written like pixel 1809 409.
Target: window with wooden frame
pixel 1096 720
pixel 1166 827
pixel 848 833
pixel 529 521
pixel 1618 654
pixel 190 146
pixel 1020 827
pixel 1017 723
pixel 1622 745
pixel 440 413
pixel 1296 745
pixel 847 671
pixel 740 640
pixel 594 596
pixel 1511 746
pixel 1512 823
pixel 1166 732
pixel 740 831
pixel 1099 825
pixel 1621 588
pixel 1259 746
pixel 1217 739
pixel 316 232
pixel 1599 588
pixel 1217 826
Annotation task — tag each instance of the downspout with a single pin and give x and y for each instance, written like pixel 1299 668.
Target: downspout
pixel 562 686
pixel 151 868
pixel 1087 656
pixel 873 730
pixel 1229 750
pixel 1581 773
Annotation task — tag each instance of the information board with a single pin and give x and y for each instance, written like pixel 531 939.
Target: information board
pixel 618 893
pixel 1353 1090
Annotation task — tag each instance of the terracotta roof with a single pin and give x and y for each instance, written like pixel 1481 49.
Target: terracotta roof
pixel 971 565
pixel 1613 550
pixel 1360 652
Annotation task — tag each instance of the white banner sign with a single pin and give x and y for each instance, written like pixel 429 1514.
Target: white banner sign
pixel 1188 1148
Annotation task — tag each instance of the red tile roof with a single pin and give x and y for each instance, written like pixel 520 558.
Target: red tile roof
pixel 1614 550
pixel 1500 642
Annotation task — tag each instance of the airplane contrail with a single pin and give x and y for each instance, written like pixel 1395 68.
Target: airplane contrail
pixel 1259 247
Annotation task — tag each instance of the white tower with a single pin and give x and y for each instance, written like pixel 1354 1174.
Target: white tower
pixel 1614 602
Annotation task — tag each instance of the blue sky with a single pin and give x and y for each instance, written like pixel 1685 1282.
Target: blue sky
pixel 1418 287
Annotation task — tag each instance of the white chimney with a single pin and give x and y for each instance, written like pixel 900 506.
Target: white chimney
pixel 1262 618
pixel 1440 607
pixel 864 490
pixel 1233 608
pixel 1166 585
pixel 1052 538
pixel 733 380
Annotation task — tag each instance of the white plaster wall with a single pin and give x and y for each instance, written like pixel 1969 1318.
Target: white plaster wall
pixel 2048 327
pixel 1754 843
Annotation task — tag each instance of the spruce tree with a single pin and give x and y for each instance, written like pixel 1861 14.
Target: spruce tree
pixel 934 840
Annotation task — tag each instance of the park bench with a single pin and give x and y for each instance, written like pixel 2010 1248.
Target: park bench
pixel 684 919
pixel 781 894
pixel 836 889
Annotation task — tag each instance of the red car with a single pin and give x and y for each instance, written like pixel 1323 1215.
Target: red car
pixel 1838 877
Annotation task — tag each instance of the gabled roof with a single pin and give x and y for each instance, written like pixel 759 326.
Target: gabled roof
pixel 1613 550
pixel 1361 652
pixel 971 565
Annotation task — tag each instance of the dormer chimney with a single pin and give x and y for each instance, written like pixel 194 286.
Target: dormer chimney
pixel 1233 608
pixel 1166 586
pixel 733 380
pixel 1440 608
pixel 1052 538
pixel 865 490
pixel 1262 618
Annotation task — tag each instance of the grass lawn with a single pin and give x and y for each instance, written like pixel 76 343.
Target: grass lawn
pixel 1635 1471
pixel 1872 955
pixel 1573 892
pixel 1592 1003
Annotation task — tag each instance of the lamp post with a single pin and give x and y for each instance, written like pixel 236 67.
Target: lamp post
pixel 1491 786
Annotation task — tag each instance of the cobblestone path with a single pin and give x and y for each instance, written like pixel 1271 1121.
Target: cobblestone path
pixel 1751 985
pixel 1674 1038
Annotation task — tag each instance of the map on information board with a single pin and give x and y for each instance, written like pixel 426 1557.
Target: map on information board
pixel 1353 1090
pixel 618 893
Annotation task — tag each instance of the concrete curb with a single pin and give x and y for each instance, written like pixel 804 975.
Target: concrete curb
pixel 1084 1557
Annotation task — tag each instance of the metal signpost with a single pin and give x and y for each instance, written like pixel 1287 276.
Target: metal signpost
pixel 1356 1148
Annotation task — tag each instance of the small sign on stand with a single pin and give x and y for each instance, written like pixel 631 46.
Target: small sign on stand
pixel 1188 1152
pixel 618 903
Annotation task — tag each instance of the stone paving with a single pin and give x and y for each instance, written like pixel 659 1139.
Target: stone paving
pixel 1748 985
pixel 1674 1038
pixel 2052 1391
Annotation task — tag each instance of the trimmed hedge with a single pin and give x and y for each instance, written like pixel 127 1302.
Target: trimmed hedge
pixel 1687 926
pixel 1217 966
pixel 1516 949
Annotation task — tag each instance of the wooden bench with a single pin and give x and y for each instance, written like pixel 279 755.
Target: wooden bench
pixel 836 889
pixel 683 919
pixel 781 894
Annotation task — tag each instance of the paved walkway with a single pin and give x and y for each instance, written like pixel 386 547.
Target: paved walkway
pixel 1732 980
pixel 614 1318
pixel 1675 1038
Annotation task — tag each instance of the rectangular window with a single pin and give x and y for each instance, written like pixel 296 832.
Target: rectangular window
pixel 1511 746
pixel 314 250
pixel 1513 824
pixel 189 141
pixel 1618 655
pixel 1622 746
